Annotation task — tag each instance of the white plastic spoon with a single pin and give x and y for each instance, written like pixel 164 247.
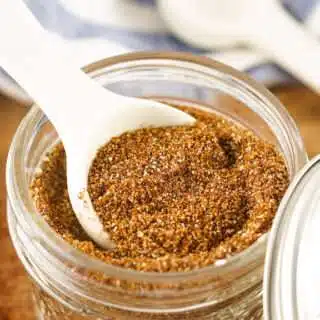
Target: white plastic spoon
pixel 85 115
pixel 262 24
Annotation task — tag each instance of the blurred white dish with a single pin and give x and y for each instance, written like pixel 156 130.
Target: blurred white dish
pixel 126 14
pixel 220 24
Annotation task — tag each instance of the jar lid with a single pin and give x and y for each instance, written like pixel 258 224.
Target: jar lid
pixel 292 269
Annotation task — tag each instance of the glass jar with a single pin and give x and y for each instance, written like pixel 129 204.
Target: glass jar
pixel 65 280
pixel 292 266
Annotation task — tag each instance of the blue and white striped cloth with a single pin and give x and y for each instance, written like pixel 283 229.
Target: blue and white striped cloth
pixel 128 25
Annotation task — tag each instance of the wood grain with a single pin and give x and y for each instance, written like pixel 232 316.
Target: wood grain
pixel 14 287
pixel 15 302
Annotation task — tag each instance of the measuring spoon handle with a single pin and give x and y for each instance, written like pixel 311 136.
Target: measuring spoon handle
pixel 273 30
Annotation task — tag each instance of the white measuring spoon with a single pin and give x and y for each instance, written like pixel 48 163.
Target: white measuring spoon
pixel 263 24
pixel 85 115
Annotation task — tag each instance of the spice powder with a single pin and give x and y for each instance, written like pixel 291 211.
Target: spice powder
pixel 172 199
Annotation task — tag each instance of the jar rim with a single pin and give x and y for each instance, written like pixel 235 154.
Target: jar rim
pixel 254 254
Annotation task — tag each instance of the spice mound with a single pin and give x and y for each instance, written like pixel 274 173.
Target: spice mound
pixel 172 199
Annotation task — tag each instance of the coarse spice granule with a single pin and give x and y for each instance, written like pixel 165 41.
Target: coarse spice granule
pixel 172 199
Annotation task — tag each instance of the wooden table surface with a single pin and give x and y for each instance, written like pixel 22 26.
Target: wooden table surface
pixel 15 302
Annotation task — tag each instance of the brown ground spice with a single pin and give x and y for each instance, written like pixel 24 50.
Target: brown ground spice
pixel 172 199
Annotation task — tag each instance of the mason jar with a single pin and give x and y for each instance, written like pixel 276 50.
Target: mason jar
pixel 69 285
